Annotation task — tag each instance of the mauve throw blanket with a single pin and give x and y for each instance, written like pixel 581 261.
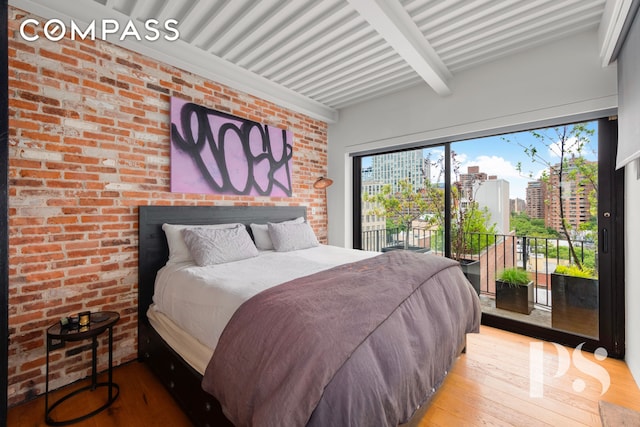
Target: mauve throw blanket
pixel 362 344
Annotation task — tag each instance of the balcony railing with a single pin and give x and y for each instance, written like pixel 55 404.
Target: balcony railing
pixel 493 253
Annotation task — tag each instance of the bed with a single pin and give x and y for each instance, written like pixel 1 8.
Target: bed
pixel 349 366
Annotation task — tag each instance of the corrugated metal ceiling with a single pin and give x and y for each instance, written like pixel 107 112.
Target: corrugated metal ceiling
pixel 340 52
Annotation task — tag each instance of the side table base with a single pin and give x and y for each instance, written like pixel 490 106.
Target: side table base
pixel 113 386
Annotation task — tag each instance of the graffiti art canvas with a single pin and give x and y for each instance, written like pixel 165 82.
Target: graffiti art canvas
pixel 213 152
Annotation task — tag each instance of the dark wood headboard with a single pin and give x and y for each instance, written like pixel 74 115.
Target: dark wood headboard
pixel 182 380
pixel 153 251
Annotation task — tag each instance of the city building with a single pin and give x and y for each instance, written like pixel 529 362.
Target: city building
pixel 493 194
pixel 467 181
pixel 371 221
pixel 576 190
pixel 517 205
pixel 536 195
pixel 389 169
pixel 393 167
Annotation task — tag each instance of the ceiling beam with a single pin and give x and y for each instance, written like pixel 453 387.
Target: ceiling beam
pixel 612 28
pixel 393 23
pixel 186 57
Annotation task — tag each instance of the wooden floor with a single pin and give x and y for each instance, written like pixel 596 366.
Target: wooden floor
pixel 143 401
pixel 489 385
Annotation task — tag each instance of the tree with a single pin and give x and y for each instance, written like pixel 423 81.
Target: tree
pixel 427 204
pixel 401 208
pixel 535 227
pixel 467 218
pixel 568 143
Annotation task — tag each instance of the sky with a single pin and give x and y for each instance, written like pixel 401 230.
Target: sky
pixel 500 155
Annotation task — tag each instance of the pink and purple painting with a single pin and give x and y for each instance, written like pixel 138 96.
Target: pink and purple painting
pixel 217 153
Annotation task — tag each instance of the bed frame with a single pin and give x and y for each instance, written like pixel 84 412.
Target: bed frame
pixel 180 379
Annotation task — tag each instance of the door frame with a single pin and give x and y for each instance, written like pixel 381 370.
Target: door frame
pixel 612 317
pixel 4 192
pixel 611 261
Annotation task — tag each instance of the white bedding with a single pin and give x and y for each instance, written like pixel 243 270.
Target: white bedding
pixel 190 349
pixel 201 300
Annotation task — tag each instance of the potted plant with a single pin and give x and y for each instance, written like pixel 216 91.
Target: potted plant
pixel 471 231
pixel 514 290
pixel 469 222
pixel 574 300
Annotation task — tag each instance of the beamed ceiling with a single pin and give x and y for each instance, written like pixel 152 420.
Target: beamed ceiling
pixel 317 56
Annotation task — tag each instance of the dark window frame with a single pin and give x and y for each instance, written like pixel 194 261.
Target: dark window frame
pixel 4 191
pixel 612 328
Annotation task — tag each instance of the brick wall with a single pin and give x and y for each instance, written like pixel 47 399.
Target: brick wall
pixel 89 142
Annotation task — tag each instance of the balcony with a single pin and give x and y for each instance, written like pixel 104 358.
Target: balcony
pixel 493 253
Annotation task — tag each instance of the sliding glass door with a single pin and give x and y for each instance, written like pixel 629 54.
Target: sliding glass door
pixel 402 196
pixel 542 206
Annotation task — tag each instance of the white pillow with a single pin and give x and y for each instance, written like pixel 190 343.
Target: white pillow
pixel 291 237
pixel 178 251
pixel 261 233
pixel 217 246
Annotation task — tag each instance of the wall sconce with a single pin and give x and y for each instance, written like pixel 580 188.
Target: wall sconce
pixel 322 182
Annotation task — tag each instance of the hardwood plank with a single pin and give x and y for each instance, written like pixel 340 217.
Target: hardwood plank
pixel 492 378
pixel 473 407
pixel 143 401
pixel 487 386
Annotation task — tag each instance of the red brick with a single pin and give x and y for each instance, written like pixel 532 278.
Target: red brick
pixel 58 57
pixel 95 222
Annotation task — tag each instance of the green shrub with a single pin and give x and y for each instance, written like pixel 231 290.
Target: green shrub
pixel 514 276
pixel 572 270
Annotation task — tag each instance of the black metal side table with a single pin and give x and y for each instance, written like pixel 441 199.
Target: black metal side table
pixel 57 336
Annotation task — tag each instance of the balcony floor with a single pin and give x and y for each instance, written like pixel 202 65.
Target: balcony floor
pixel 540 315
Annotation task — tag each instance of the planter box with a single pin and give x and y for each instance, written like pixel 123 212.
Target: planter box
pixel 574 304
pixel 471 269
pixel 518 298
pixel 401 247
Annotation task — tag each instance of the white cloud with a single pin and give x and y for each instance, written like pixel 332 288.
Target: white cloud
pixel 461 157
pixel 571 146
pixel 494 165
pixel 503 169
pixel 499 166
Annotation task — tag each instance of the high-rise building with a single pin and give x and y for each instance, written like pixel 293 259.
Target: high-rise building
pixel 576 189
pixel 493 194
pixel 389 169
pixel 536 196
pixel 404 165
pixel 517 205
pixel 469 179
pixel 369 220
pixel 488 192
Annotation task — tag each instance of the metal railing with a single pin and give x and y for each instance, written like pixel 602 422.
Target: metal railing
pixel 493 252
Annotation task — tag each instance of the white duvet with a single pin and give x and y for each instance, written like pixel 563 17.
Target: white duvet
pixel 201 300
